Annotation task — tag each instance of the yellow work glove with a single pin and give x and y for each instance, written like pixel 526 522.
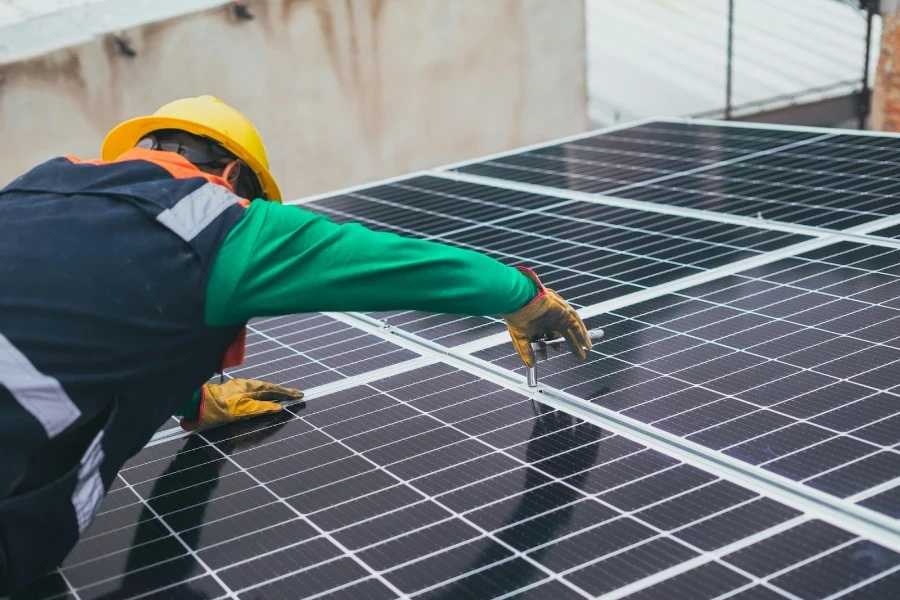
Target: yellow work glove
pixel 548 316
pixel 238 399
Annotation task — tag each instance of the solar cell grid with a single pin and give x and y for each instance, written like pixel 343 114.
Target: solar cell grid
pixel 609 161
pixel 433 498
pixel 790 366
pixel 588 253
pixel 307 351
pixel 828 180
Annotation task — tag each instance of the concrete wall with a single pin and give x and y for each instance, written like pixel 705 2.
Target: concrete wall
pixel 343 91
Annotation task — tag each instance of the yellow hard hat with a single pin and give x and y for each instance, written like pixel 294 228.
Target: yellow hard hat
pixel 207 116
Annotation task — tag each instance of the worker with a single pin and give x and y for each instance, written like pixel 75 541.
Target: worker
pixel 126 284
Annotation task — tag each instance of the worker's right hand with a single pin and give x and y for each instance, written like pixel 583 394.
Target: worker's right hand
pixel 548 316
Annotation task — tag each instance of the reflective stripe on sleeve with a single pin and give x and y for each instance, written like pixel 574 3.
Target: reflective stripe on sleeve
pixel 39 394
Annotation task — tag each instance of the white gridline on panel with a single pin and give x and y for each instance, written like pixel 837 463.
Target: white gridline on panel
pixel 581 566
pixel 769 258
pixel 479 528
pixel 782 489
pixel 710 275
pixel 723 340
pixel 712 164
pixel 523 463
pixel 735 193
pixel 753 227
pixel 743 264
pixel 175 430
pixel 542 212
pixel 770 408
pixel 604 199
pixel 71 589
pixel 650 125
pixel 666 174
pixel 669 498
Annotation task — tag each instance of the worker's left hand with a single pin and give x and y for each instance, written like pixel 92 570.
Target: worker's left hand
pixel 238 399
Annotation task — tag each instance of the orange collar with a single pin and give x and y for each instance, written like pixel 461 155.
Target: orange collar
pixel 178 166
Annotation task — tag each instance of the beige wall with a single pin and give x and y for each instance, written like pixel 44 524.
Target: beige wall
pixel 343 91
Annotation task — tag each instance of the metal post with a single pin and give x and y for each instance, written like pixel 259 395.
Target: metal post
pixel 532 376
pixel 865 94
pixel 728 59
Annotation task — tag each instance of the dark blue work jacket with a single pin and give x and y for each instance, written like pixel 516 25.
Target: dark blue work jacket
pixel 103 276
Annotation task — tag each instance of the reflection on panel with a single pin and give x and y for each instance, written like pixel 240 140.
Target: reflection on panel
pixel 435 483
pixel 791 366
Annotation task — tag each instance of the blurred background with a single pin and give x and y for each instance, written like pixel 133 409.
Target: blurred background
pixel 350 91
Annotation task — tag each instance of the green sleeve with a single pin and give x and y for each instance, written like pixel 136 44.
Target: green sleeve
pixel 283 260
pixel 191 408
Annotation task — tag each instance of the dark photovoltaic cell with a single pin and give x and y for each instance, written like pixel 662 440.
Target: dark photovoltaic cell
pixel 838 183
pixel 314 349
pixel 435 483
pixel 608 161
pixel 889 232
pixel 791 366
pixel 829 180
pixel 587 252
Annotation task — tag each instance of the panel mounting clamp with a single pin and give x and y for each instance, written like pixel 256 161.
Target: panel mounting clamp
pixel 540 349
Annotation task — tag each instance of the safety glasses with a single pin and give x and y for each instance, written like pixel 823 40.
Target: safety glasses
pixel 204 152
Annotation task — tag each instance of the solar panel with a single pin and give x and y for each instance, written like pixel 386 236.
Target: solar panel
pixel 790 366
pixel 640 154
pixel 437 483
pixel 817 179
pixel 308 351
pixel 735 434
pixel 587 252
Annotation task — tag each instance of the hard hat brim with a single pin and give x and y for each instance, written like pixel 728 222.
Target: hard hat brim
pixel 126 135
